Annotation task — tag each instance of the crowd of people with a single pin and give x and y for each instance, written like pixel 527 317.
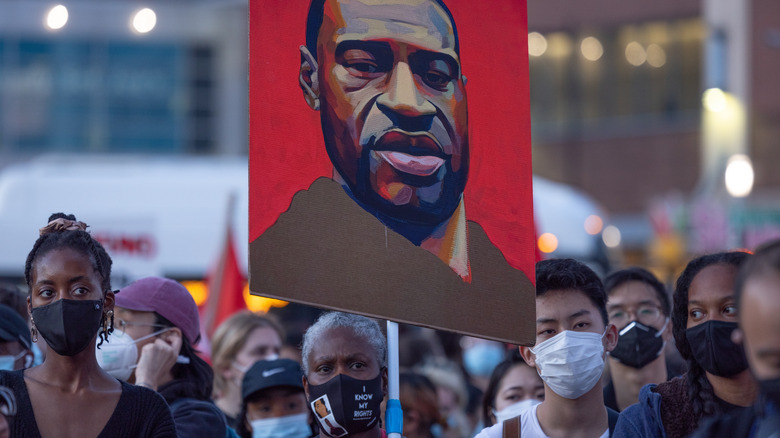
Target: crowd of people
pixel 622 357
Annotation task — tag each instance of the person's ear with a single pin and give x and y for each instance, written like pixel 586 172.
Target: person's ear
pixel 528 356
pixel 173 338
pixel 308 79
pixel 737 336
pixel 305 387
pixel 29 358
pixel 29 307
pixel 108 301
pixel 610 337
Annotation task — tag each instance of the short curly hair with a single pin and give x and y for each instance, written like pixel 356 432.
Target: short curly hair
pixel 362 327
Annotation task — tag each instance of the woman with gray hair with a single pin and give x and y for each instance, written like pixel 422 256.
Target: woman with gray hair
pixel 345 374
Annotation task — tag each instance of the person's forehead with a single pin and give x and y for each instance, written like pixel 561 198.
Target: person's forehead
pixel 713 283
pixel 55 260
pixel 632 292
pixel 341 342
pixel 418 22
pixel 560 304
pixel 520 376
pixel 263 336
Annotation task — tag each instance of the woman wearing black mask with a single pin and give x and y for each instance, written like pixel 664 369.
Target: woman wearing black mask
pixel 758 299
pixel 718 381
pixel 70 302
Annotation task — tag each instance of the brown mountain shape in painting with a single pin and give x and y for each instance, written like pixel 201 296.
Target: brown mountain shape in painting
pixel 327 251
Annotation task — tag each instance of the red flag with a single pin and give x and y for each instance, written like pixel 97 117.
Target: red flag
pixel 226 288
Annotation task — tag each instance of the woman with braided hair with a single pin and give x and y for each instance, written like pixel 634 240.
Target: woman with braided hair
pixel 71 304
pixel 704 315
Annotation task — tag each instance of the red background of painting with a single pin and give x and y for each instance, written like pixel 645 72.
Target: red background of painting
pixel 287 151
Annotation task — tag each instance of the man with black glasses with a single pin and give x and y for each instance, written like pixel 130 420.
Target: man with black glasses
pixel 638 306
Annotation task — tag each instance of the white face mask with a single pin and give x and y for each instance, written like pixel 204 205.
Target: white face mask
pixel 514 409
pixel 291 426
pixel 119 355
pixel 570 362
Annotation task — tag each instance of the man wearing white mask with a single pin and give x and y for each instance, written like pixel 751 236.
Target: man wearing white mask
pixel 573 336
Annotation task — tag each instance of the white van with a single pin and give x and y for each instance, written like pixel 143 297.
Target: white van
pixel 155 215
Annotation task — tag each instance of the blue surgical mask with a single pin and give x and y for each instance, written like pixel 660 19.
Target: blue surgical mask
pixel 480 359
pixel 291 426
pixel 7 361
pixel 37 355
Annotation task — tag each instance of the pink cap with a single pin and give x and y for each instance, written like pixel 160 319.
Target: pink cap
pixel 169 298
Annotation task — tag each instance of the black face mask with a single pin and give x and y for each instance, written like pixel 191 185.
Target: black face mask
pixel 345 406
pixel 638 345
pixel 712 348
pixel 68 326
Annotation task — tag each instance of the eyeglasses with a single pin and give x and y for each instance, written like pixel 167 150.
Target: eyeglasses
pixel 123 325
pixel 646 314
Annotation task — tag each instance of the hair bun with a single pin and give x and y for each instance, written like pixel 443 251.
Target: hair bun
pixel 62 215
pixel 62 224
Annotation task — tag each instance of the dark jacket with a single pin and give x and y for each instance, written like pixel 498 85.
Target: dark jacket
pixel 664 410
pixel 193 417
pixel 652 418
pixel 759 420
pixel 735 425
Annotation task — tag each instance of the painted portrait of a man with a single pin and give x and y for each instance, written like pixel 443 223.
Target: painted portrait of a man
pixel 387 232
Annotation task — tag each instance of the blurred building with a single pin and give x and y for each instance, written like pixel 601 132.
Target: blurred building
pixel 94 76
pixel 616 103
